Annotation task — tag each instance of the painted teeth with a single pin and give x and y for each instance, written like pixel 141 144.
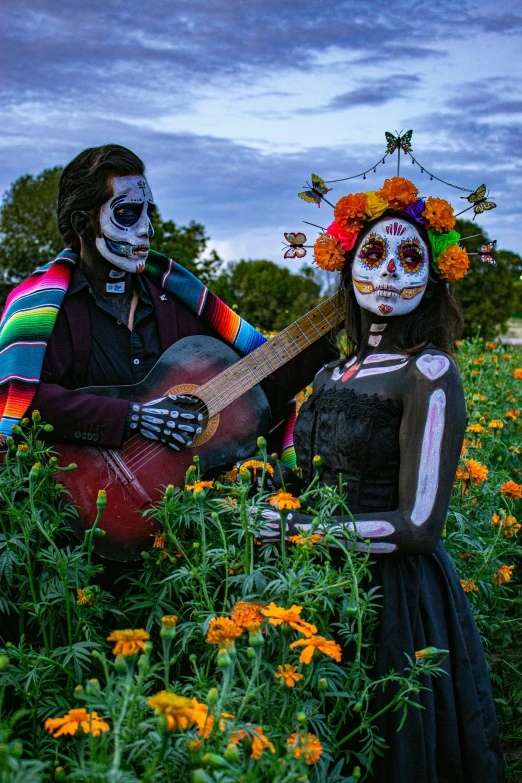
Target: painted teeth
pixel 387 293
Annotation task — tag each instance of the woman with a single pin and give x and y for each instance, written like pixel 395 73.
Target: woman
pixel 391 420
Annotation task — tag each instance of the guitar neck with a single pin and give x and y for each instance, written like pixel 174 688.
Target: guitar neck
pixel 242 376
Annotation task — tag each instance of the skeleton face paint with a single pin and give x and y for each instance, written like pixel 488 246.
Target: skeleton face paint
pixel 125 224
pixel 390 268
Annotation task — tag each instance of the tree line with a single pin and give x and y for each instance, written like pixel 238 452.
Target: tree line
pixel 266 294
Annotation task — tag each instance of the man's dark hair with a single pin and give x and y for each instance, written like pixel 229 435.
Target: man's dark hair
pixel 436 321
pixel 84 184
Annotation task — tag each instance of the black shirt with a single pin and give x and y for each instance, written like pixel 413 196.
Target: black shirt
pixel 119 356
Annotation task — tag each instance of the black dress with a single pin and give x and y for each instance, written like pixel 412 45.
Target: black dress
pixel 455 738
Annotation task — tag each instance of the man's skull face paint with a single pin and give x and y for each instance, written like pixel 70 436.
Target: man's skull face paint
pixel 125 224
pixel 390 268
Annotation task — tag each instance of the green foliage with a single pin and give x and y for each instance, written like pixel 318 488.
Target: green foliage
pixel 487 294
pixel 186 245
pixel 268 295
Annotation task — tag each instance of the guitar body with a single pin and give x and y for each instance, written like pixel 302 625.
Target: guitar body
pixel 134 474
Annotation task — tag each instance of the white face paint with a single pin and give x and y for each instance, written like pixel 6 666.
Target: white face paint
pixel 125 224
pixel 390 268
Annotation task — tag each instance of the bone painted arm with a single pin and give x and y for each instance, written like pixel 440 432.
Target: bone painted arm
pixel 431 434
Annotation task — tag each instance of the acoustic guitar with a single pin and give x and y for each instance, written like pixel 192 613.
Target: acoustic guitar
pixel 236 414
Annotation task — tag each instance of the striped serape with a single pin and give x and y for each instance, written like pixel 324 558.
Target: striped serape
pixel 32 307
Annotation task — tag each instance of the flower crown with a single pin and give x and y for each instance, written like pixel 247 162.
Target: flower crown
pixel 351 212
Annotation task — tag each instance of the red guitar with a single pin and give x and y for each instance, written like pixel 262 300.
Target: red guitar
pixel 237 414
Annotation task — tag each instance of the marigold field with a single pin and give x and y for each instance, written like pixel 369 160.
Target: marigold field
pixel 220 659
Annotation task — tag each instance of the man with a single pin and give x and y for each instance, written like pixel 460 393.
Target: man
pixel 114 322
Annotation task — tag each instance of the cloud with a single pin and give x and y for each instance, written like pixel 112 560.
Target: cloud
pixel 374 92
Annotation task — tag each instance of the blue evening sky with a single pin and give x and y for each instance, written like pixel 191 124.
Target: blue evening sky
pixel 233 103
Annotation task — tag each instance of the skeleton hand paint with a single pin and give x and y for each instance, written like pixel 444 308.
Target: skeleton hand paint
pixel 125 224
pixel 390 268
pixel 174 419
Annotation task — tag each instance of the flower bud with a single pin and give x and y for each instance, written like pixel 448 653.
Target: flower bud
pixel 101 500
pixel 200 776
pixel 120 664
pixel 17 750
pixel 356 774
pixel 301 717
pixel 148 647
pixel 213 760
pixel 261 443
pixel 48 428
pixel 212 696
pixel 317 462
pixel 429 653
pixel 255 638
pixel 162 724
pixel 59 775
pixel 357 707
pixel 4 662
pixel 351 610
pixel 70 467
pixel 17 430
pixel 232 753
pixel 24 422
pixel 93 687
pixel 98 532
pixel 224 658
pixel 195 459
pixel 251 653
pixel 79 693
pixel 168 633
pixel 143 663
pixel 53 462
pixel 169 491
pixel 36 417
pixel 323 684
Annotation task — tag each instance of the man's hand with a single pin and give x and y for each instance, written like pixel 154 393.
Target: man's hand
pixel 174 419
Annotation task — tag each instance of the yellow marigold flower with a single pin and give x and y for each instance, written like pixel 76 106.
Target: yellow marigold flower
pixel 159 543
pixel 503 574
pixel 375 206
pixel 180 711
pixel 495 424
pixel 195 745
pixel 257 464
pixel 398 192
pixel 277 615
pixel 307 745
pixel 453 263
pixel 223 631
pixel 326 646
pixel 475 428
pixel 477 472
pixel 328 254
pixel 479 360
pixel 89 722
pixel 512 414
pixel 439 215
pixel 246 615
pixel 169 620
pixel 129 641
pixel 511 490
pixel 289 674
pixel 469 585
pixel 350 211
pixel 85 596
pixel 198 486
pixel 231 475
pixel 518 373
pixel 259 741
pixel 284 500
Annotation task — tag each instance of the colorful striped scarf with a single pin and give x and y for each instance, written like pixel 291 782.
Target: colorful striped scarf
pixel 30 314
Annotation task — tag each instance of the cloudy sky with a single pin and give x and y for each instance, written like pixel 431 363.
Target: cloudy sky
pixel 234 103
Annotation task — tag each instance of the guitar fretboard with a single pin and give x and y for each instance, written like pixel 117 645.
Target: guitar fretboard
pixel 242 376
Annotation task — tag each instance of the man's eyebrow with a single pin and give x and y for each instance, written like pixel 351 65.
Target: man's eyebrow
pixel 117 200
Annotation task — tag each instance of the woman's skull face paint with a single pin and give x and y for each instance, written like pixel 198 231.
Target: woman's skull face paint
pixel 125 224
pixel 390 268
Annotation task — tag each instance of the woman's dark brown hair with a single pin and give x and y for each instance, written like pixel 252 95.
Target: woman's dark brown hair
pixel 85 184
pixel 437 320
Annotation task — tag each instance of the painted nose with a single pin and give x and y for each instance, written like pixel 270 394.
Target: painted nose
pixel 391 266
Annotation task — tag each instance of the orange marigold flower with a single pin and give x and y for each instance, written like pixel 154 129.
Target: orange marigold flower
pixel 326 646
pixel 328 254
pixel 495 424
pixel 129 641
pixel 465 555
pixel 85 596
pixel 350 211
pixel 246 615
pixel 463 451
pixel 89 722
pixel 306 745
pixel 181 712
pixel 469 585
pixel 479 360
pixel 475 428
pixel 514 449
pixel 223 631
pixel 518 373
pixel 159 543
pixel 453 263
pixel 513 414
pixel 477 472
pixel 491 345
pixel 439 215
pixel 302 541
pixel 231 475
pixel 259 741
pixel 198 486
pixel 277 615
pixel 398 192
pixel 511 490
pixel 289 674
pixel 284 500
pixel 257 464
pixel 507 523
pixel 503 574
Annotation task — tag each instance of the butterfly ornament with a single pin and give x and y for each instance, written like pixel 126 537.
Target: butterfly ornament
pixel 317 191
pixel 401 140
pixel 295 244
pixel 479 202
